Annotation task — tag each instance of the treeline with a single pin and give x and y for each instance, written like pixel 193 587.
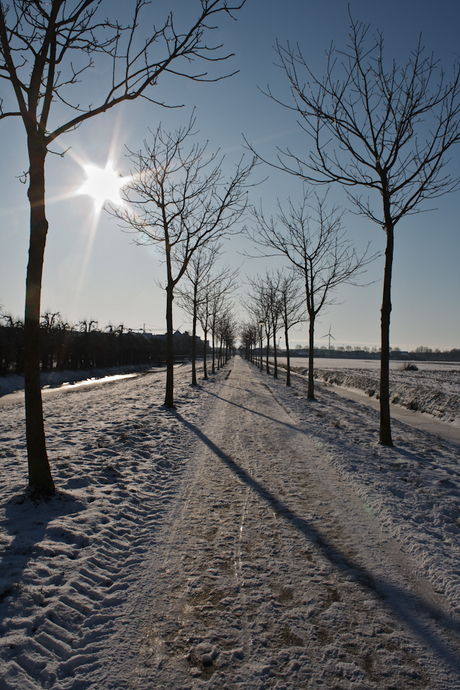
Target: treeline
pixel 420 354
pixel 84 346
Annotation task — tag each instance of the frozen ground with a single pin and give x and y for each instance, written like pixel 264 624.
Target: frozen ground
pixel 432 389
pixel 249 539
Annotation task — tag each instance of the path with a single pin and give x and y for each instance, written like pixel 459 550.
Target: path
pixel 271 575
pixel 418 420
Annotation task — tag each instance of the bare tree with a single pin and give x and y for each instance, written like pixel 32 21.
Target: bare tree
pixel 201 282
pixel 272 284
pixel 226 329
pixel 217 305
pixel 217 318
pixel 275 299
pixel 248 336
pixel 265 292
pixel 380 128
pixel 197 275
pixel 213 298
pixel 292 311
pixel 45 50
pixel 178 198
pixel 314 242
pixel 261 305
pixel 252 305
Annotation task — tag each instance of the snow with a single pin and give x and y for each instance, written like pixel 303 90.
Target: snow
pixel 248 539
pixel 431 389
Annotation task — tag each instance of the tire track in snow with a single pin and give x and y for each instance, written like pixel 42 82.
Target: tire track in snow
pixel 310 624
pixel 89 540
pixel 68 635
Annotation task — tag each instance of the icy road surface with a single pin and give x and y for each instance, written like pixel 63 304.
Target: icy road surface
pixel 250 539
pixel 274 574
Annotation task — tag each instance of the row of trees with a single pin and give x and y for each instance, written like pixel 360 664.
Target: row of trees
pixel 421 353
pixel 85 346
pixel 46 49
pixel 276 305
pixel 312 240
pixel 381 131
pixel 367 128
pixel 179 199
pixel 206 298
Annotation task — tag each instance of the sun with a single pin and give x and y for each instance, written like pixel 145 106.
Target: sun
pixel 103 184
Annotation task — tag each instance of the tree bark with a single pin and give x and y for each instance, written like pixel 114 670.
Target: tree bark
pixel 213 359
pixel 169 396
pixel 311 378
pixel 261 358
pixel 275 356
pixel 194 382
pixel 267 353
pixel 288 358
pixel 385 419
pixel 39 469
pixel 195 300
pixel 205 348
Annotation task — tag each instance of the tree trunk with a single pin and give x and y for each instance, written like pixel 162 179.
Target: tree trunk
pixel 288 358
pixel 213 345
pixel 261 356
pixel 385 419
pixel 169 397
pixel 267 353
pixel 275 356
pixel 39 469
pixel 311 377
pixel 194 383
pixel 205 348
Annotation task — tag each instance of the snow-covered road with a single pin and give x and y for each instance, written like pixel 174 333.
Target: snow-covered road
pixel 273 574
pixel 250 539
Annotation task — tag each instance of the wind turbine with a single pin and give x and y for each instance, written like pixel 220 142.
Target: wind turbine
pixel 329 335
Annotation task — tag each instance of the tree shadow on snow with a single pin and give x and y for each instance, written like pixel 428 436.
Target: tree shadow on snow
pixel 275 420
pixel 415 612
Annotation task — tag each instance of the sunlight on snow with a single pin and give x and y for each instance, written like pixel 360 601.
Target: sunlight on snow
pixel 104 379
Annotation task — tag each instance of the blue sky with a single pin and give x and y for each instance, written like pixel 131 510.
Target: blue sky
pixel 95 271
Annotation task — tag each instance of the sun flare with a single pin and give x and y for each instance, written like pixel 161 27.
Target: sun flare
pixel 103 184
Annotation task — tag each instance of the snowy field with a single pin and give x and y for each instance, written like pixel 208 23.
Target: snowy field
pixel 373 364
pixel 250 539
pixel 434 388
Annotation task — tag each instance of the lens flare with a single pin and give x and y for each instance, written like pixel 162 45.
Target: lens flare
pixel 103 184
